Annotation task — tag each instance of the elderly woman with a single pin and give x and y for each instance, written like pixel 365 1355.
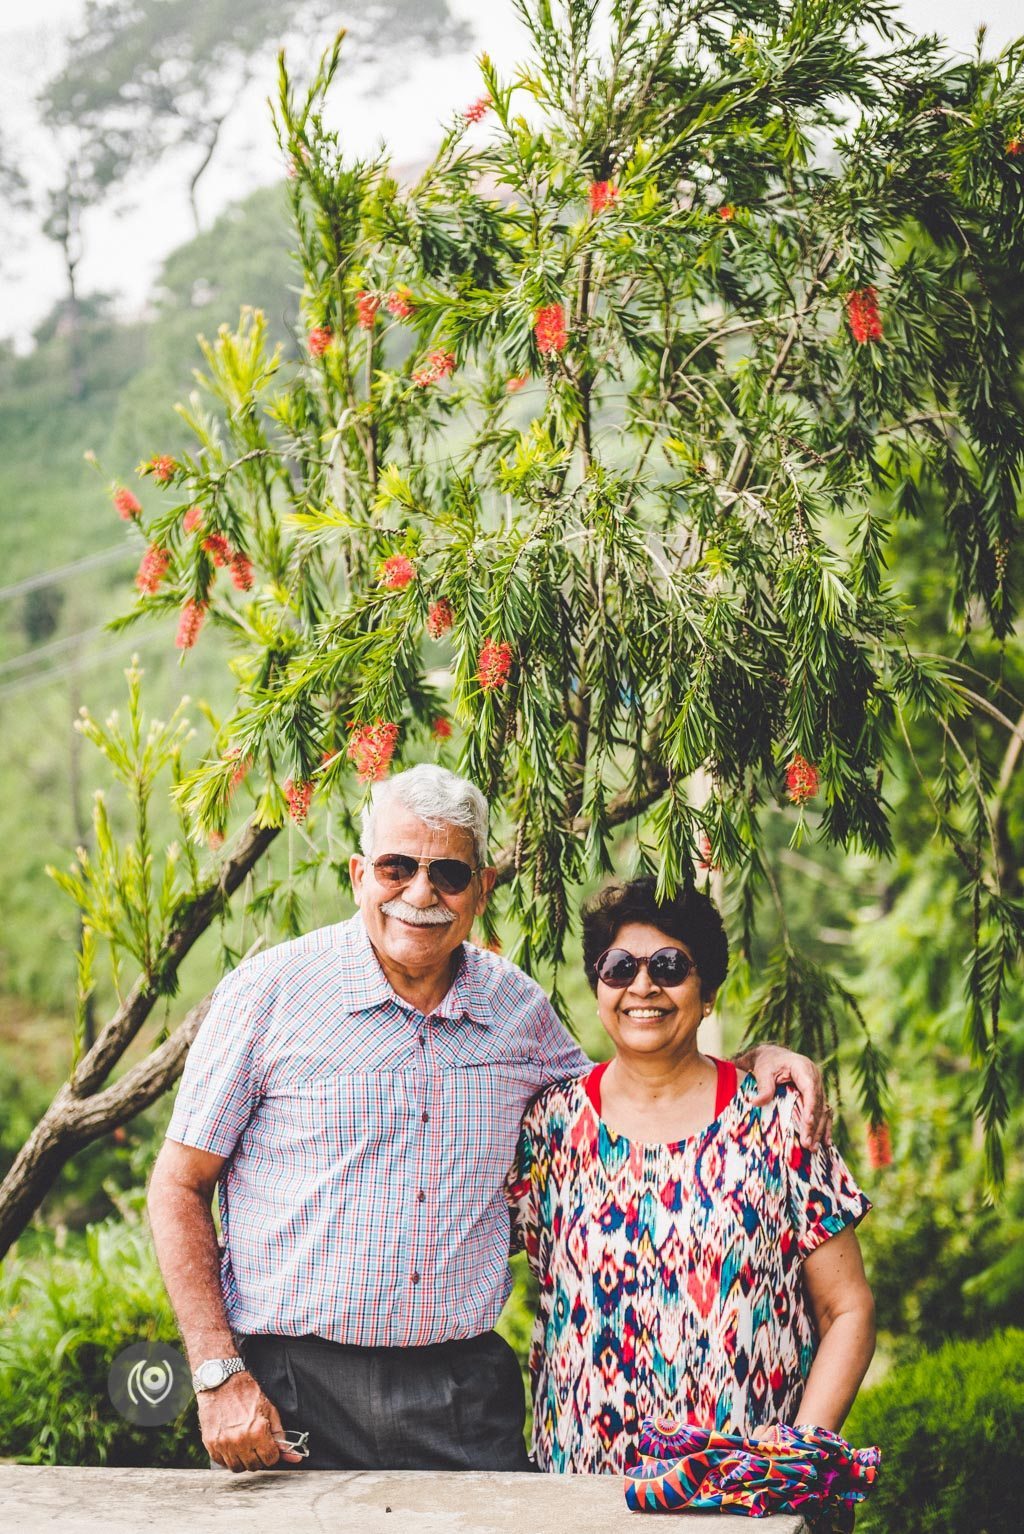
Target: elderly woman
pixel 693 1258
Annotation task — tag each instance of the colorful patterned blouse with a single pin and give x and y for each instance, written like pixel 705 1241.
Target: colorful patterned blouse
pixel 669 1274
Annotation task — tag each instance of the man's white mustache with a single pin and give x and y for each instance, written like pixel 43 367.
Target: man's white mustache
pixel 419 916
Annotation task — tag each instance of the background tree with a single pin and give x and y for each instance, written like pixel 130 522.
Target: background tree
pixel 144 77
pixel 604 430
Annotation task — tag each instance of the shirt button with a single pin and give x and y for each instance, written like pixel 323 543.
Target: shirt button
pixel 423 1038
pixel 426 1118
pixel 421 1197
pixel 415 1278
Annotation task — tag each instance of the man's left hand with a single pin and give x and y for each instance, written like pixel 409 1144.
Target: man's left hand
pixel 771 1065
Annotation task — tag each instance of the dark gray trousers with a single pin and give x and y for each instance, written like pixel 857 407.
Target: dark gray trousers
pixel 453 1406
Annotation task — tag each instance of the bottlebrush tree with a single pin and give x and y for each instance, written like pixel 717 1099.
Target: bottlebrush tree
pixel 595 446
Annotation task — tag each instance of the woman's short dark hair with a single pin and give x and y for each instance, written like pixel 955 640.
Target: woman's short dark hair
pixel 690 917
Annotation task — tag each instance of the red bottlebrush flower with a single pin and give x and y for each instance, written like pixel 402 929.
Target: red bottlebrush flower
pixel 128 505
pixel 189 624
pixel 241 572
pixel 801 780
pixel 371 748
pixel 549 328
pixel 441 729
pixel 215 841
pixel 879 1146
pixel 152 569
pixel 1014 147
pixel 162 468
pixel 192 519
pixel 218 548
pixel 602 195
pixel 862 313
pixel 367 305
pixel 727 212
pixel 440 618
pixel 399 303
pixel 439 363
pixel 319 339
pixel 242 765
pixel 299 796
pixel 478 109
pixel 397 572
pixel 515 384
pixel 494 664
pixel 704 861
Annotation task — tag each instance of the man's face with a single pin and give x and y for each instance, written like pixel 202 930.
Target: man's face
pixel 415 927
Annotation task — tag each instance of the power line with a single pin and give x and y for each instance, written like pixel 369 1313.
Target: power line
pixel 45 651
pixel 57 673
pixel 61 572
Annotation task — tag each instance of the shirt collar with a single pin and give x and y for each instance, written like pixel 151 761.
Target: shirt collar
pixel 367 985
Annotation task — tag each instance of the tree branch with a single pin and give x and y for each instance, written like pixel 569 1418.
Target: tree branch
pixel 194 917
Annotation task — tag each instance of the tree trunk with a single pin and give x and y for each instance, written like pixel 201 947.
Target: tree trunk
pixel 69 240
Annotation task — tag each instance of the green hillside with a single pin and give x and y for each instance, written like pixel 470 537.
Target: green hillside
pixel 54 511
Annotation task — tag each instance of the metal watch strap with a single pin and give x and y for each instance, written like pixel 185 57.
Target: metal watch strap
pixel 228 1367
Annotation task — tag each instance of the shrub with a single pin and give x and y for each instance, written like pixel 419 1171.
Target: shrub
pixel 64 1316
pixel 950 1425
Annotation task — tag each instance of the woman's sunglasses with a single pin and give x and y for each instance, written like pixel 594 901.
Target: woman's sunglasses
pixel 449 876
pixel 665 966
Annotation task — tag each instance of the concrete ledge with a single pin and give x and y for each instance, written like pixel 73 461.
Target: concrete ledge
pixel 70 1500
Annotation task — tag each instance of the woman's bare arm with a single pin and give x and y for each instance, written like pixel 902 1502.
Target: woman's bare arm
pixel 844 1312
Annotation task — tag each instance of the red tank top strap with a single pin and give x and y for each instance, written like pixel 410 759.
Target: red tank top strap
pixel 728 1081
pixel 592 1085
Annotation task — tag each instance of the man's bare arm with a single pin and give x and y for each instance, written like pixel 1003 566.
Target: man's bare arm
pixel 180 1195
pixel 772 1064
pixel 239 1424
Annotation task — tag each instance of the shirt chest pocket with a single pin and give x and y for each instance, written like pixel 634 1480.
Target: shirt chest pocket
pixel 347 1115
pixel 484 1105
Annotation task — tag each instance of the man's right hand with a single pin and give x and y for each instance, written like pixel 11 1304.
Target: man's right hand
pixel 240 1425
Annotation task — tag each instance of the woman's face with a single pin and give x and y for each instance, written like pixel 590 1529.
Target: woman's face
pixel 645 1018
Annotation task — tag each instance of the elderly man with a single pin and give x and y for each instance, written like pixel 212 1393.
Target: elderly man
pixel 355 1096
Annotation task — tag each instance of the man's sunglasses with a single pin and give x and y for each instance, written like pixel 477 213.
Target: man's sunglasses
pixel 449 876
pixel 617 967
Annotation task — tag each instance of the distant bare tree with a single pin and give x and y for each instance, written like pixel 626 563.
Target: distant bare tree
pixel 144 77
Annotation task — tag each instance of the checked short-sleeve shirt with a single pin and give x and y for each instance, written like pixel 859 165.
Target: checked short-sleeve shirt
pixel 367 1144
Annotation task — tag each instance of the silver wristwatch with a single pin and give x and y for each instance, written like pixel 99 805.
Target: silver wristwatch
pixel 214 1371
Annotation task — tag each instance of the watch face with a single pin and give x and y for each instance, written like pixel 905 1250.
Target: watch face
pixel 211 1373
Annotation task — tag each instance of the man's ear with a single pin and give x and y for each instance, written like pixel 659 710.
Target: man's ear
pixel 488 876
pixel 356 871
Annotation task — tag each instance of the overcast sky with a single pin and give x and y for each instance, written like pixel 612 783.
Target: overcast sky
pixel 124 244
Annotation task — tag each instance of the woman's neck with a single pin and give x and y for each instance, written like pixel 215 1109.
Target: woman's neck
pixel 655 1078
pixel 650 1099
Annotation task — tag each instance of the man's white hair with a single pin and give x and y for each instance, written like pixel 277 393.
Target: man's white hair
pixel 432 794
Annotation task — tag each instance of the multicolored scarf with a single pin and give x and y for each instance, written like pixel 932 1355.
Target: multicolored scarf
pixel 793 1470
